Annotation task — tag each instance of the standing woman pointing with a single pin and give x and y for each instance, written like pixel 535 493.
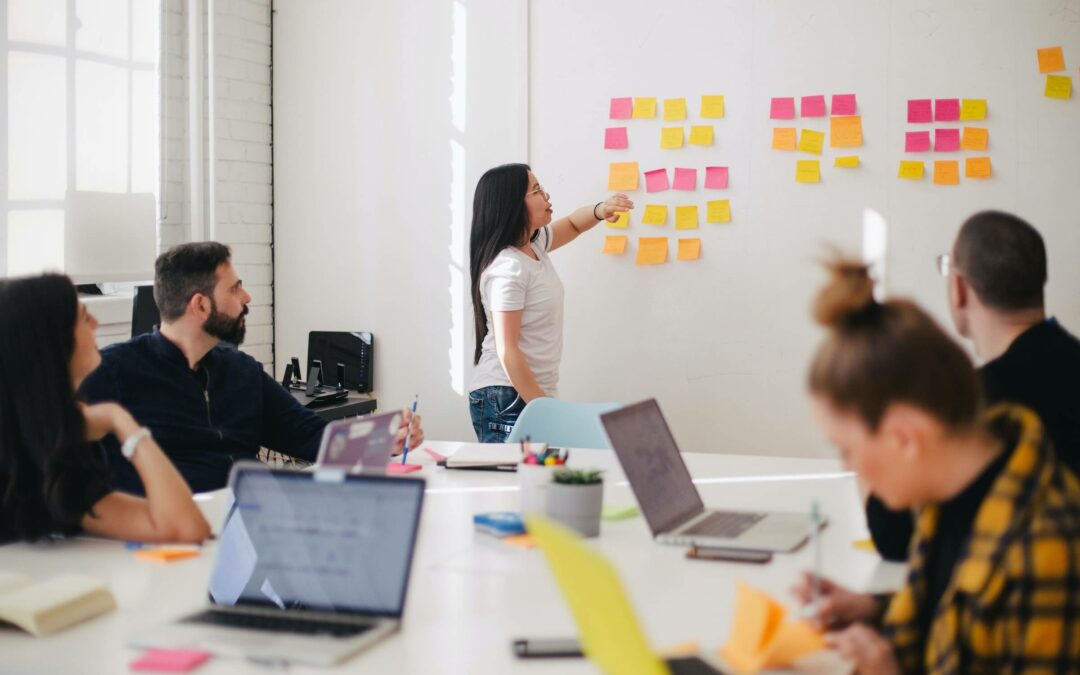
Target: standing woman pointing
pixel 516 293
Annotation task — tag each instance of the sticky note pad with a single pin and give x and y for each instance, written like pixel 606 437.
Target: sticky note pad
pixel 644 108
pixel 917 141
pixel 1058 86
pixel 620 512
pixel 685 179
pixel 169 660
pixel 812 106
pixel 622 220
pixel 622 176
pixel 807 171
pixel 946 140
pixel 522 541
pixel 783 138
pixel 655 214
pixel 782 109
pixel 946 172
pixel 686 218
pixel 910 170
pixel 651 250
pixel 845 132
pixel 674 108
pixel 689 249
pixel 972 109
pixel 919 111
pixel 165 555
pixel 1051 60
pixel 975 138
pixel 843 104
pixel 701 135
pixel 621 108
pixel 718 211
pixel 811 141
pixel 712 106
pixel 847 162
pixel 946 109
pixel 615 138
pixel 977 167
pixel 671 137
pixel 656 180
pixel 615 245
pixel 716 177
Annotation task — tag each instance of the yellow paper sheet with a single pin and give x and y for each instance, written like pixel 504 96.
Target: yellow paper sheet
pixel 972 109
pixel 847 162
pixel 811 141
pixel 910 170
pixel 644 108
pixel 946 172
pixel 686 217
pixel 807 171
pixel 974 138
pixel 623 220
pixel 651 250
pixel 623 176
pixel 977 167
pixel 615 245
pixel 689 249
pixel 671 137
pixel 1051 60
pixel 712 107
pixel 1058 86
pixel 674 109
pixel 718 211
pixel 701 135
pixel 845 132
pixel 783 138
pixel 655 214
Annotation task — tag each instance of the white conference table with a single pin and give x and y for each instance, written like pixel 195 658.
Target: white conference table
pixel 471 595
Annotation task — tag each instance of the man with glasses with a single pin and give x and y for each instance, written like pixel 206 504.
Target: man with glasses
pixel 995 277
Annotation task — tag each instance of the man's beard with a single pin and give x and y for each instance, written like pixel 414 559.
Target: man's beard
pixel 224 327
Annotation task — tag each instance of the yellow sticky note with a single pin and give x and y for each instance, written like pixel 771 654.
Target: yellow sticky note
pixel 623 220
pixel 1058 86
pixel 910 170
pixel 847 162
pixel 718 211
pixel 783 138
pixel 807 171
pixel 686 218
pixel 974 138
pixel 977 167
pixel 845 132
pixel 671 137
pixel 972 109
pixel 811 141
pixel 655 214
pixel 615 245
pixel 946 172
pixel 712 106
pixel 644 108
pixel 525 541
pixel 674 108
pixel 623 176
pixel 689 249
pixel 701 135
pixel 1051 60
pixel 864 545
pixel 651 250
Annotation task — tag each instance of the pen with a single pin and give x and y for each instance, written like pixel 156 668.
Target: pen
pixel 405 448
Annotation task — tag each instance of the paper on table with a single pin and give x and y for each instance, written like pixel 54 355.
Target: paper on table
pixel 845 132
pixel 972 109
pixel 674 108
pixel 843 104
pixel 686 217
pixel 615 138
pixel 621 108
pixel 813 106
pixel 701 135
pixel 946 172
pixel 614 245
pixel 946 109
pixel 1058 86
pixel 712 106
pixel 811 141
pixel 169 660
pixel 685 179
pixel 718 211
pixel 671 137
pixel 622 220
pixel 716 177
pixel 919 111
pixel 917 141
pixel 783 138
pixel 651 250
pixel 689 249
pixel 847 161
pixel 975 138
pixel 644 107
pixel 759 637
pixel 807 171
pixel 782 109
pixel 946 140
pixel 1051 60
pixel 977 167
pixel 655 214
pixel 656 180
pixel 623 176
pixel 165 554
pixel 910 170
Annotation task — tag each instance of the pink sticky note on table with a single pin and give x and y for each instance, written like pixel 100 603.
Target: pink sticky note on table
pixel 622 108
pixel 656 180
pixel 396 468
pixel 844 104
pixel 169 660
pixel 685 179
pixel 716 177
pixel 434 455
pixel 917 141
pixel 919 111
pixel 946 109
pixel 782 109
pixel 813 106
pixel 946 140
pixel 615 138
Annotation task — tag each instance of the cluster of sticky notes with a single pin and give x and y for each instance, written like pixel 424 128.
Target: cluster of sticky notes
pixel 946 139
pixel 1052 60
pixel 674 110
pixel 845 131
pixel 654 250
pixel 760 637
pixel 657 180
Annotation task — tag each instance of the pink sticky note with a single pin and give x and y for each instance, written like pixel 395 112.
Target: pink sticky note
pixel 169 660
pixel 394 468
pixel 685 179
pixel 716 177
pixel 434 455
pixel 656 180
pixel 917 141
pixel 622 108
pixel 946 140
pixel 615 138
pixel 919 111
pixel 843 104
pixel 782 109
pixel 813 106
pixel 946 109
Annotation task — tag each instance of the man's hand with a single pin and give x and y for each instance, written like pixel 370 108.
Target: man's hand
pixel 410 424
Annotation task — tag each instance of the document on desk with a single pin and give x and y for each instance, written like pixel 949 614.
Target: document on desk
pixel 490 455
pixel 47 607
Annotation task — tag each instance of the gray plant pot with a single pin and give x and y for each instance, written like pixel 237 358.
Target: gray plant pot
pixel 576 506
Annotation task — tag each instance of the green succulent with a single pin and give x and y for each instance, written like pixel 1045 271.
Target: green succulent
pixel 578 476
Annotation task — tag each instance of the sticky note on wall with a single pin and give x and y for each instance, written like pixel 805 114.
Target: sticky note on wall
pixel 844 104
pixel 656 180
pixel 920 111
pixel 1051 60
pixel 655 214
pixel 718 211
pixel 977 167
pixel 847 162
pixel 615 138
pixel 689 249
pixel 621 221
pixel 946 109
pixel 623 176
pixel 712 106
pixel 686 217
pixel 946 172
pixel 671 137
pixel 811 141
pixel 782 109
pixel 946 140
pixel 975 138
pixel 652 250
pixel 845 132
pixel 1058 86
pixel 910 170
pixel 716 177
pixel 812 106
pixel 917 141
pixel 701 135
pixel 644 107
pixel 621 108
pixel 972 109
pixel 614 245
pixel 807 171
pixel 674 108
pixel 783 138
pixel 685 179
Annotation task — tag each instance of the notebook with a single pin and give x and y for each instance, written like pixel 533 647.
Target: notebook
pixel 46 607
pixel 490 456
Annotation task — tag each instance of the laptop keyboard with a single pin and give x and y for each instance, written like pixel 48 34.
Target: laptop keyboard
pixel 278 624
pixel 725 525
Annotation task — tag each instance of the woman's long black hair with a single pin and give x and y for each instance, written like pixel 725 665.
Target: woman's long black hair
pixel 499 220
pixel 48 473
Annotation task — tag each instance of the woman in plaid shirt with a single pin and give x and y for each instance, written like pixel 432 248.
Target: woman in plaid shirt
pixel 994 579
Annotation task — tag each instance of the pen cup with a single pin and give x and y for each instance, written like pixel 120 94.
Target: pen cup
pixel 533 481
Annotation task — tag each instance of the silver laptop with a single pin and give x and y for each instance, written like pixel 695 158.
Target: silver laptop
pixel 310 568
pixel 359 443
pixel 670 501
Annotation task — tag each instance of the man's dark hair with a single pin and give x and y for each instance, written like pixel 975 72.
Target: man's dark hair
pixel 183 271
pixel 1003 259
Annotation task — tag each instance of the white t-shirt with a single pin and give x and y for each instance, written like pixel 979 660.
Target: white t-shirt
pixel 515 281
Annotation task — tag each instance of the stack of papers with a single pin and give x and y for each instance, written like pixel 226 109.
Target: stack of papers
pixel 490 455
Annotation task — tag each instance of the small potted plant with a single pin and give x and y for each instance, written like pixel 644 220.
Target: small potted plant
pixel 575 498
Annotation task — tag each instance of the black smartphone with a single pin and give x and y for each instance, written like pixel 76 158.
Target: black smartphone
pixel 728 554
pixel 551 648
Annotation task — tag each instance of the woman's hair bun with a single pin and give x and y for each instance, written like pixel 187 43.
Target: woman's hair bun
pixel 848 294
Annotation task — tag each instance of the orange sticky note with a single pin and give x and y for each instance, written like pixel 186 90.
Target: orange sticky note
pixel 689 249
pixel 524 541
pixel 651 250
pixel 165 555
pixel 974 138
pixel 718 211
pixel 910 170
pixel 644 108
pixel 623 176
pixel 1051 60
pixel 845 132
pixel 760 638
pixel 622 221
pixel 686 217
pixel 977 167
pixel 783 138
pixel 615 245
pixel 946 172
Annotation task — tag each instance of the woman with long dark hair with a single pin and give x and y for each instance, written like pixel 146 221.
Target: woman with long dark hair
pixel 53 475
pixel 516 293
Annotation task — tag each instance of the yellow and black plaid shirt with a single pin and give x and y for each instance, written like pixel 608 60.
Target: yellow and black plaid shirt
pixel 1013 602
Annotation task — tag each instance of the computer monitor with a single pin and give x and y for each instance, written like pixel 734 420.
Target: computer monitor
pixel 144 311
pixel 354 349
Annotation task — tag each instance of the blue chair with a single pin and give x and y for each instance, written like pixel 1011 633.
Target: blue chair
pixel 563 424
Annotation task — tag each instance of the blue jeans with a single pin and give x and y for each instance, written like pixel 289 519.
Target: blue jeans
pixel 494 410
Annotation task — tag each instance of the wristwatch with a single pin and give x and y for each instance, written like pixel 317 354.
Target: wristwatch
pixel 132 443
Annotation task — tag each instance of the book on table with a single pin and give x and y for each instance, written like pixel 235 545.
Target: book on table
pixel 45 607
pixel 491 455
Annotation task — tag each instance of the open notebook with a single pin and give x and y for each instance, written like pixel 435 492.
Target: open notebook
pixel 46 607
pixel 504 456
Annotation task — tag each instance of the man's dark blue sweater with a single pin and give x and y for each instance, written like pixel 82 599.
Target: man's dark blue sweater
pixel 204 419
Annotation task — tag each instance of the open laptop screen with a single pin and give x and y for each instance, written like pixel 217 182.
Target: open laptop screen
pixel 301 541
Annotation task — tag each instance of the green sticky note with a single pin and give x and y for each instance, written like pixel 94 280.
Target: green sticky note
pixel 612 512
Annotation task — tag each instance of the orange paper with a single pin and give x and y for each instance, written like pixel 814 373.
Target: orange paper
pixel 946 172
pixel 1051 60
pixel 977 167
pixel 783 138
pixel 652 250
pixel 165 555
pixel 845 132
pixel 623 176
pixel 974 138
pixel 761 639
pixel 524 541
pixel 689 249
pixel 614 245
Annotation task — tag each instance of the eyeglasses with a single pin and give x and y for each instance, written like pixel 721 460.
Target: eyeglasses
pixel 539 188
pixel 944 264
